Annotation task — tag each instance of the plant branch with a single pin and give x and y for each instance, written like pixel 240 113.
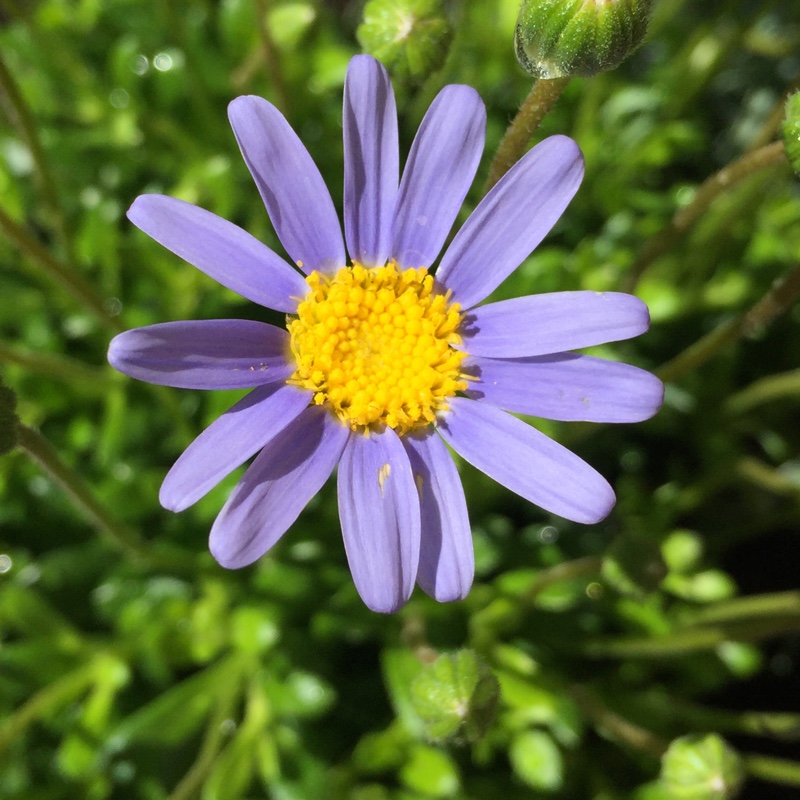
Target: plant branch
pixel 722 181
pixel 71 281
pixel 779 299
pixel 541 99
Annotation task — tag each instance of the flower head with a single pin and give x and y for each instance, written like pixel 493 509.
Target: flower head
pixel 382 361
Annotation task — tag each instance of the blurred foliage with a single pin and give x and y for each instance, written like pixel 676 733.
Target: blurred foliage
pixel 132 666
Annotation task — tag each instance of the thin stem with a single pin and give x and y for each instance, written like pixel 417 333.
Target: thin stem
pixel 755 606
pixel 21 114
pixel 676 711
pixel 774 770
pixel 543 96
pixel 690 641
pixel 766 477
pixel 775 302
pixel 773 387
pixel 39 450
pixel 70 280
pixel 59 366
pixel 57 694
pixel 192 781
pixel 577 568
pixel 722 181
pixel 621 729
pixel 271 60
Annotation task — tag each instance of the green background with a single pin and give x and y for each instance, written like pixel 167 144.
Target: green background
pixel 132 666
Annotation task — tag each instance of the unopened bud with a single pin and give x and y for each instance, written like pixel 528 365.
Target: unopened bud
pixel 701 767
pixel 410 37
pixel 791 131
pixel 456 697
pixel 567 38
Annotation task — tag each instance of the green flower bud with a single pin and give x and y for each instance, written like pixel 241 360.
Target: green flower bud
pixel 410 37
pixel 8 419
pixel 791 131
pixel 633 565
pixel 456 697
pixel 701 767
pixel 566 38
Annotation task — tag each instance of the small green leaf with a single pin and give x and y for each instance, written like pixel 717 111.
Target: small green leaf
pixel 431 772
pixel 456 696
pixel 536 760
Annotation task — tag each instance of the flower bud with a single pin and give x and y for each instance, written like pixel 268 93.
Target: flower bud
pixel 566 38
pixel 791 131
pixel 410 37
pixel 456 696
pixel 701 767
pixel 8 419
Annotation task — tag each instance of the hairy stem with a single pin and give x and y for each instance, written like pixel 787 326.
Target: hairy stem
pixel 543 96
pixel 776 301
pixel 39 450
pixel 19 112
pixel 270 54
pixel 722 181
pixel 71 281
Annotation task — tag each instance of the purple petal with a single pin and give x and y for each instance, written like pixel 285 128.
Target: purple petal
pixel 379 511
pixel 511 220
pixel 229 441
pixel 566 386
pixel 297 200
pixel 526 461
pixel 203 354
pixel 371 161
pixel 219 248
pixel 540 324
pixel 440 168
pixel 446 560
pixel 287 473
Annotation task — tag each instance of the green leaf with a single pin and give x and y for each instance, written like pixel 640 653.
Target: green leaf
pixel 430 772
pixel 536 760
pixel 179 711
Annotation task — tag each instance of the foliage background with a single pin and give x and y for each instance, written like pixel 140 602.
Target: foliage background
pixel 132 666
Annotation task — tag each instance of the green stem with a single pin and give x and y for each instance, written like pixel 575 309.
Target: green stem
pixel 21 114
pixel 57 694
pixel 543 96
pixel 191 783
pixel 766 477
pixel 671 712
pixel 690 641
pixel 39 450
pixel 70 280
pixel 577 568
pixel 59 366
pixel 607 721
pixel 774 770
pixel 779 604
pixel 271 60
pixel 775 302
pixel 723 181
pixel 773 387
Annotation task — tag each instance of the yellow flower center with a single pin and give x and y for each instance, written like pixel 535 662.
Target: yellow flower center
pixel 376 345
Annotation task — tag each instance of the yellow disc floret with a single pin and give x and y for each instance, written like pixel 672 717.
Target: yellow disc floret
pixel 376 346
